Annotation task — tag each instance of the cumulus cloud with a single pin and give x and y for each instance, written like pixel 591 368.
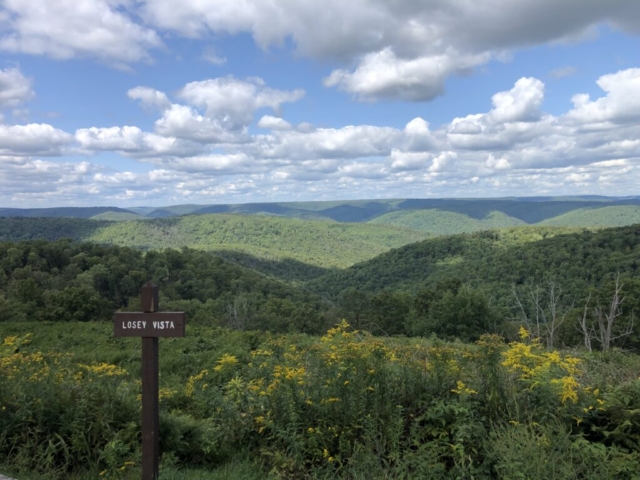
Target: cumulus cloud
pixel 37 182
pixel 232 101
pixel 418 135
pixel 133 141
pixel 515 118
pixel 367 170
pixel 408 160
pixel 346 142
pixel 219 164
pixel 520 104
pixel 497 163
pixel 620 105
pixel 184 122
pixel 32 139
pixel 384 75
pixel 274 123
pixel 149 97
pixel 404 49
pixel 514 148
pixel 15 88
pixel 64 29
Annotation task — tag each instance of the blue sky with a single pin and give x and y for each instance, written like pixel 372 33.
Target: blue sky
pixel 157 102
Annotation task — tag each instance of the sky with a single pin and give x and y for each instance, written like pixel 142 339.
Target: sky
pixel 161 102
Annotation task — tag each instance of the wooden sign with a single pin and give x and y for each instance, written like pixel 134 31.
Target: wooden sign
pixel 149 324
pixel 140 324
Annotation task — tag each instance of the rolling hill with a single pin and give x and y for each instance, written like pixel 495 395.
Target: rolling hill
pixel 69 212
pixel 322 244
pixel 439 215
pixel 576 258
pixel 304 244
pixel 117 216
pixel 614 216
pixel 439 222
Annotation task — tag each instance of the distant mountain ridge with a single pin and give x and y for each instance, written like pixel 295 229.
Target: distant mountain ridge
pixel 434 216
pixel 528 209
pixel 67 212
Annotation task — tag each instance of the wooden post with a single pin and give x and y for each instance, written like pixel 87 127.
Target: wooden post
pixel 150 409
pixel 150 390
pixel 149 324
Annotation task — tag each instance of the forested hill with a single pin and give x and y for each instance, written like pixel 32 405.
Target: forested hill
pixel 433 215
pixel 17 229
pixel 495 260
pixel 319 244
pixel 69 281
pixel 60 212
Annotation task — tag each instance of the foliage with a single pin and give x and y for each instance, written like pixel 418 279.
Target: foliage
pixel 346 405
pixel 438 222
pixel 17 229
pixel 617 216
pixel 117 216
pixel 316 243
pixel 66 281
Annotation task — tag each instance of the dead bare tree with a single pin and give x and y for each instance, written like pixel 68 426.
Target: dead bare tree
pixel 557 314
pixel 602 322
pixel 546 312
pixel 606 320
pixel 585 327
pixel 534 298
pixel 239 312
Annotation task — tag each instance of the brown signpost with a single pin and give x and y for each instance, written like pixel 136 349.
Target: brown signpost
pixel 149 324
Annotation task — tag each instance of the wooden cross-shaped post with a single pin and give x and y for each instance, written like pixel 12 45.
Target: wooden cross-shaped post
pixel 149 324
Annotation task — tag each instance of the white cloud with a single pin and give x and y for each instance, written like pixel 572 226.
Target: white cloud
pixel 36 182
pixel 66 29
pixel 362 170
pixel 520 104
pixel 133 141
pixel 149 97
pixel 408 160
pixel 418 135
pixel 346 142
pixel 403 49
pixel 185 122
pixel 497 163
pixel 274 123
pixel 515 118
pixel 219 164
pixel 32 139
pixel 443 161
pixel 15 88
pixel 620 105
pixel 233 102
pixel 384 75
pixel 512 149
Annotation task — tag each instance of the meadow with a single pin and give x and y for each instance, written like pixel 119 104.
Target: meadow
pixel 243 405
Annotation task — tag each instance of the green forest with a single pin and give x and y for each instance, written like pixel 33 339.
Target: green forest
pixel 315 243
pixel 323 349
